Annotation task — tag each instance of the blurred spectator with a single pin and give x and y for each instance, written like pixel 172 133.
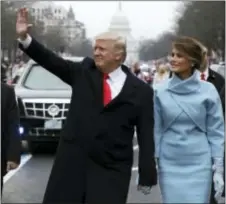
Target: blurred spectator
pixel 3 73
pixel 10 138
pixel 137 71
pixel 162 73
pixel 17 68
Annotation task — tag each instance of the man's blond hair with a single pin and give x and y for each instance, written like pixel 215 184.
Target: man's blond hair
pixel 118 41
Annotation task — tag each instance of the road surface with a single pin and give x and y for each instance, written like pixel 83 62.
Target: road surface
pixel 27 184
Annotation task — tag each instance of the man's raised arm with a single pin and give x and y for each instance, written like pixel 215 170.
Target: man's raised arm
pixel 64 69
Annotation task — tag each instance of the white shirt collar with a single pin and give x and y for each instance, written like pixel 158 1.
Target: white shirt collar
pixel 115 74
pixel 206 73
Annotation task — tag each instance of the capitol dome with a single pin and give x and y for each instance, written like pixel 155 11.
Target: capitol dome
pixel 119 21
pixel 120 24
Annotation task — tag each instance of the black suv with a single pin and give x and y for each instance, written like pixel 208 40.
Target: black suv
pixel 43 100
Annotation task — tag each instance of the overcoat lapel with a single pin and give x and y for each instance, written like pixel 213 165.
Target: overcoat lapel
pixel 96 84
pixel 211 77
pixel 127 90
pixel 182 92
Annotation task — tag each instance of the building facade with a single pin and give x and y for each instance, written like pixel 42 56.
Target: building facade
pixel 53 15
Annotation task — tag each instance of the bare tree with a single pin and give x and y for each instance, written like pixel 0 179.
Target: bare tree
pixel 9 42
pixel 81 48
pixel 54 38
pixel 206 22
pixel 155 49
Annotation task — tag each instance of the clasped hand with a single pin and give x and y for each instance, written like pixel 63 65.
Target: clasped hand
pixel 143 189
pixel 218 185
pixel 218 168
pixel 11 166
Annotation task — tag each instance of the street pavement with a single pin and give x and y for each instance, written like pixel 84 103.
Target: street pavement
pixel 27 184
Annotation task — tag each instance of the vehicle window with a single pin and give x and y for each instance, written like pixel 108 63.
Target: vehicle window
pixel 39 78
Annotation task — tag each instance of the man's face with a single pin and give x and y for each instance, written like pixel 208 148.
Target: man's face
pixel 104 54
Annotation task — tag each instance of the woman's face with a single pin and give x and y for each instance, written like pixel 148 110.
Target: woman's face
pixel 179 62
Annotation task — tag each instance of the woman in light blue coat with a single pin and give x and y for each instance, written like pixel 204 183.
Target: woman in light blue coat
pixel 189 129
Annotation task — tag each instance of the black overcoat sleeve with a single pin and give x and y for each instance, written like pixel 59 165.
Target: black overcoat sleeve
pixel 14 148
pixel 66 70
pixel 145 135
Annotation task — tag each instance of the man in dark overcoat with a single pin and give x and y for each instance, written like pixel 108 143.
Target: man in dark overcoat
pixel 95 154
pixel 10 137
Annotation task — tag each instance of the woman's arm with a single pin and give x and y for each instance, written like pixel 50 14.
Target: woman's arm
pixel 215 124
pixel 157 124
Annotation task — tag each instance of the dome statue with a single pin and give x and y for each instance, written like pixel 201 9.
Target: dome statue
pixel 119 21
pixel 121 25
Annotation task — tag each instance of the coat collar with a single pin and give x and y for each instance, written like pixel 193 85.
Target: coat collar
pixel 186 86
pixel 211 74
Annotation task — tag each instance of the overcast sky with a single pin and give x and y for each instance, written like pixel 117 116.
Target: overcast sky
pixel 147 18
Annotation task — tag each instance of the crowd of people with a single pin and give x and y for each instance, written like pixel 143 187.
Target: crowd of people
pixel 179 124
pixel 12 69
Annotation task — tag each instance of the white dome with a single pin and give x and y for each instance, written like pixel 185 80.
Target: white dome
pixel 119 21
pixel 120 24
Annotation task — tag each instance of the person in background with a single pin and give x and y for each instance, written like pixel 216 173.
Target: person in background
pixel 207 74
pixel 137 71
pixel 3 74
pixel 10 137
pixel 189 129
pixel 162 73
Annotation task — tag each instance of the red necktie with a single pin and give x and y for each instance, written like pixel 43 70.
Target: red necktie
pixel 203 76
pixel 106 90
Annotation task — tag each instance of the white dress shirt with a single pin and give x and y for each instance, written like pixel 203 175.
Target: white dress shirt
pixel 116 81
pixel 26 43
pixel 116 78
